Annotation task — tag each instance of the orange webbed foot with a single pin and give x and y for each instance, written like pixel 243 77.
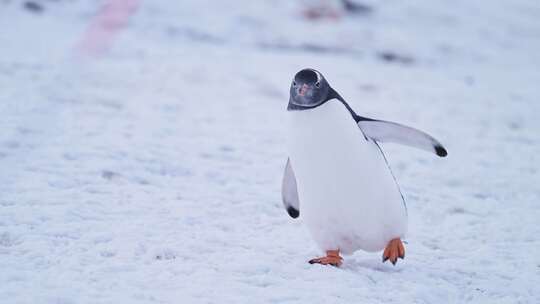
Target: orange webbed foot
pixel 393 251
pixel 332 258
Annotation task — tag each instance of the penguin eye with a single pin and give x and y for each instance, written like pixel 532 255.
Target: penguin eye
pixel 318 84
pixel 294 83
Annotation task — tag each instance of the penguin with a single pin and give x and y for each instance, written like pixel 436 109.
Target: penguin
pixel 337 176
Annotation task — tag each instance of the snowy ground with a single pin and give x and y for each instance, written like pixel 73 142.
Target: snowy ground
pixel 152 174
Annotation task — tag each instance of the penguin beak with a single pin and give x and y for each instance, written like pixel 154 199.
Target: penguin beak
pixel 302 91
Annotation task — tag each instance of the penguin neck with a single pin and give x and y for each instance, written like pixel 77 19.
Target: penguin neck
pixel 336 95
pixel 332 94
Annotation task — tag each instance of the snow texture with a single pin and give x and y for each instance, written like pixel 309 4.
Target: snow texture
pixel 152 174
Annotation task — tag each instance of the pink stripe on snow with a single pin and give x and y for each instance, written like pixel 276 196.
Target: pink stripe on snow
pixel 105 26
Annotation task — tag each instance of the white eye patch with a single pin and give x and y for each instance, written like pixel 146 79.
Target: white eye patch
pixel 319 76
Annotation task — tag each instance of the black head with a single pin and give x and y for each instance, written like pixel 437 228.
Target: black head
pixel 309 89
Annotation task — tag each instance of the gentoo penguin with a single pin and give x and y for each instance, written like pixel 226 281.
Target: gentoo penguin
pixel 337 176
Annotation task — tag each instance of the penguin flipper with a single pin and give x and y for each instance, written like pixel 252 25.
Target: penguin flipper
pixel 289 191
pixel 386 131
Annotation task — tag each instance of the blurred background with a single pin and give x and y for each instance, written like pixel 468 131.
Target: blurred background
pixel 142 145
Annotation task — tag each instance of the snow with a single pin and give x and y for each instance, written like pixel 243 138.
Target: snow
pixel 151 174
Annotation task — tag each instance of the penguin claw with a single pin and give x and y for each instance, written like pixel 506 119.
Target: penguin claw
pixel 332 258
pixel 326 261
pixel 393 251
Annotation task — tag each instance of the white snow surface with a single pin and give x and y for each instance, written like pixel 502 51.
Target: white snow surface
pixel 152 174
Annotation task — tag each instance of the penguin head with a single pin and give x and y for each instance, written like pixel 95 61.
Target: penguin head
pixel 309 89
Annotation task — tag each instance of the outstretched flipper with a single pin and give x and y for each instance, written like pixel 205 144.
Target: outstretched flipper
pixel 289 192
pixel 385 131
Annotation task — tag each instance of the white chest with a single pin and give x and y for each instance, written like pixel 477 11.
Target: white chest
pixel 348 197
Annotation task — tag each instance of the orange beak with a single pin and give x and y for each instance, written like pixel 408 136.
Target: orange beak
pixel 303 90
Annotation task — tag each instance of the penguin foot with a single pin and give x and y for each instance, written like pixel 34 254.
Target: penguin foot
pixel 393 251
pixel 332 258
